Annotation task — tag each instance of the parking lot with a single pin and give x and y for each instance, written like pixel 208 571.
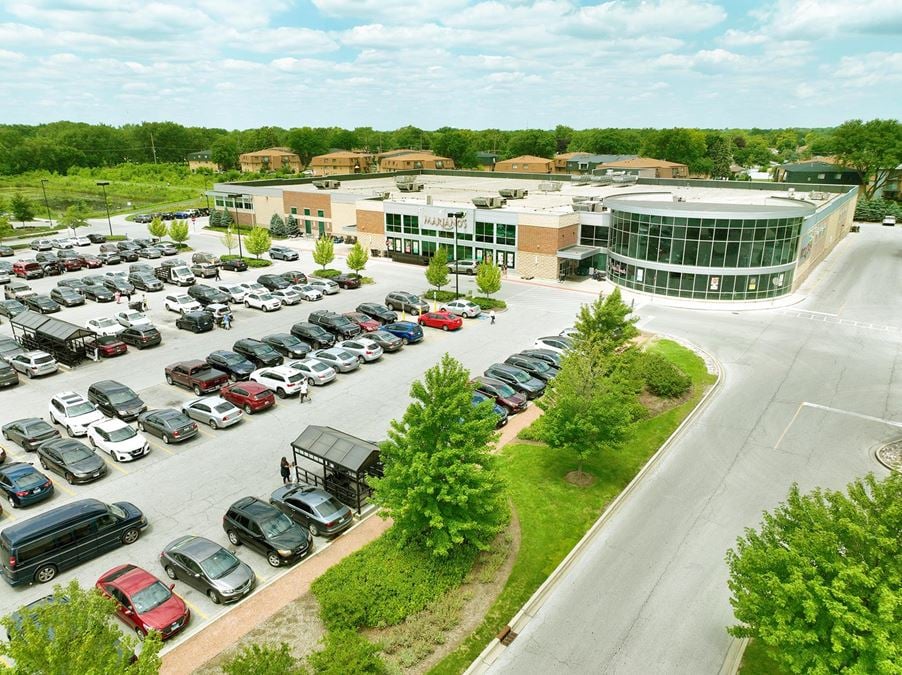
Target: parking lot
pixel 186 488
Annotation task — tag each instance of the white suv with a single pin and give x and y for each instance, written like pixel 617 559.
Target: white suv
pixel 283 380
pixel 74 412
pixel 181 304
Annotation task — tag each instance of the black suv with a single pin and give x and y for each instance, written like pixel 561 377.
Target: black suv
pixel 288 345
pixel 234 364
pixel 380 313
pixel 316 337
pixel 273 282
pixel 517 378
pixel 536 367
pixel 196 322
pixel 114 399
pixel 263 527
pixel 207 295
pixel 335 323
pixel 260 353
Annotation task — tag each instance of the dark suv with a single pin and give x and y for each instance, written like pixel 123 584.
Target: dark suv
pixel 260 353
pixel 536 367
pixel 503 393
pixel 273 282
pixel 114 399
pixel 406 302
pixel 335 323
pixel 380 313
pixel 232 363
pixel 517 378
pixel 288 345
pixel 263 527
pixel 207 295
pixel 316 337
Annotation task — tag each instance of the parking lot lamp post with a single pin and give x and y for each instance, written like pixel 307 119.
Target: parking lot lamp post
pixel 103 184
pixel 456 216
pixel 46 203
pixel 237 224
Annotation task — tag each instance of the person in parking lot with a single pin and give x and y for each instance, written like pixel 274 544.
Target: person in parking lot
pixel 492 317
pixel 218 276
pixel 303 392
pixel 143 302
pixel 118 296
pixel 285 469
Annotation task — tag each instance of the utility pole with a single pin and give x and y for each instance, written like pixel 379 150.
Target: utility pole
pixel 153 148
pixel 46 203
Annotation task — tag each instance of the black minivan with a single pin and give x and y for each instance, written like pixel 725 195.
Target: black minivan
pixel 39 548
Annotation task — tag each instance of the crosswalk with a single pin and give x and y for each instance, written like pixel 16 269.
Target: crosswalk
pixel 835 319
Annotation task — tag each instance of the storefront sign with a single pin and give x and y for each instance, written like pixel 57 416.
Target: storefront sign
pixel 445 218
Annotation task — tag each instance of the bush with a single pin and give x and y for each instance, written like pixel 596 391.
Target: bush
pixel 326 274
pixel 533 432
pixel 441 296
pixel 488 303
pixel 251 262
pixel 346 651
pixel 386 581
pixel 873 210
pixel 662 378
pixel 263 660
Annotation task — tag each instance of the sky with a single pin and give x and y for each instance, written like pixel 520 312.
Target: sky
pixel 507 64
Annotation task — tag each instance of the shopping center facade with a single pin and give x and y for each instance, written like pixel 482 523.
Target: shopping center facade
pixel 701 240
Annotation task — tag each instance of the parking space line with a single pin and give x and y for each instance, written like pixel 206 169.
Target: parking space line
pixel 194 609
pixel 201 430
pixel 60 486
pixel 159 446
pixel 109 462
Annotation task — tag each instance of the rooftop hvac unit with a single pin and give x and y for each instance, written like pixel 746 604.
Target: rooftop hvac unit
pixel 513 193
pixel 791 193
pixel 624 179
pixel 601 179
pixel 818 195
pixel 586 206
pixel 400 180
pixel 580 179
pixel 410 187
pixel 579 199
pixel 550 186
pixel 326 184
pixel 488 202
pixel 382 196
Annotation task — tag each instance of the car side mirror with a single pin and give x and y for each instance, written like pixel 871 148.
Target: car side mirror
pixel 128 611
pixel 171 587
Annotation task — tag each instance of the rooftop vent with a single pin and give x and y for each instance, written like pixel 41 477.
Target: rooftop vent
pixel 326 184
pixel 580 180
pixel 513 194
pixel 550 186
pixel 408 184
pixel 488 202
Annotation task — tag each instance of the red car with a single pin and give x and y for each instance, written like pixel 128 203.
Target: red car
pixel 92 262
pixel 249 396
pixel 144 602
pixel 368 324
pixel 442 320
pixel 107 345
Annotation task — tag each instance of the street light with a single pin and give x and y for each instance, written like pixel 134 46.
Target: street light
pixel 46 203
pixel 237 223
pixel 456 216
pixel 103 184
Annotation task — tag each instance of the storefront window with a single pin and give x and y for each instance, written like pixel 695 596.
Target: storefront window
pixel 392 222
pixel 506 234
pixel 485 232
pixel 411 224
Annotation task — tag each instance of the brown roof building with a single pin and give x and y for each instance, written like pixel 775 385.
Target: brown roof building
pixel 270 159
pixel 647 167
pixel 561 159
pixel 341 162
pixel 525 164
pixel 415 160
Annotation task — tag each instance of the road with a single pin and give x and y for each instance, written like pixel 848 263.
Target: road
pixel 808 393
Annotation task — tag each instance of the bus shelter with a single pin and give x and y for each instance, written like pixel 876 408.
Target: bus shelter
pixel 63 340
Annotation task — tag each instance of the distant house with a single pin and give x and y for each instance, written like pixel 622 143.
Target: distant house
pixel 646 167
pixel 892 188
pixel 341 162
pixel 270 159
pixel 202 160
pixel 816 171
pixel 584 162
pixel 525 164
pixel 415 160
pixel 487 158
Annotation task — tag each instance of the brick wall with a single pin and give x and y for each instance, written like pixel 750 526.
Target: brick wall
pixel 371 222
pixel 307 200
pixel 548 240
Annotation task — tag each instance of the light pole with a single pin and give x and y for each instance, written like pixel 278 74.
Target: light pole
pixel 237 224
pixel 103 184
pixel 456 216
pixel 46 203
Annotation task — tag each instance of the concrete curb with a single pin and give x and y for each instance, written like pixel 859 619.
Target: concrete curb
pixel 495 648
pixel 733 658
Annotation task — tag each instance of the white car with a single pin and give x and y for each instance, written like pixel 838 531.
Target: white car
pixel 181 304
pixel 327 286
pixel 117 274
pixel 265 301
pixel 308 292
pixel 316 371
pixel 556 343
pixel 104 325
pixel 74 412
pixel 253 286
pixel 118 439
pixel 81 241
pixel 283 380
pixel 287 296
pixel 236 292
pixel 132 319
pixel 463 308
pixel 569 331
pixel 363 348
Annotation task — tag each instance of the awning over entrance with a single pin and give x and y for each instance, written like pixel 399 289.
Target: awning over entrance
pixel 578 252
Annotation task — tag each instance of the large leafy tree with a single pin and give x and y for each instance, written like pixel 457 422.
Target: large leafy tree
pixel 306 143
pixel 488 278
pixel 441 485
pixel 873 149
pixel 820 580
pixel 75 215
pixel 21 208
pixel 606 322
pixel 721 157
pixel 437 271
pixel 157 228
pixel 531 142
pixel 686 146
pixel 455 144
pixel 178 231
pixel 258 241
pixel 323 251
pixel 357 258
pixel 224 151
pixel 75 634
pixel 229 239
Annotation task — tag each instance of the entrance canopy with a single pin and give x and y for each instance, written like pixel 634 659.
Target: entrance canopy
pixel 578 252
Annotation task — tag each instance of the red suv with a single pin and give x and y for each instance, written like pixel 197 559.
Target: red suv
pixel 368 324
pixel 144 602
pixel 249 396
pixel 28 269
pixel 502 392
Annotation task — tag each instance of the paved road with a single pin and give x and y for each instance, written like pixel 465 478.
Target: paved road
pixel 808 393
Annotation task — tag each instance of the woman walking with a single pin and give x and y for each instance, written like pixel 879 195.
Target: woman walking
pixel 285 469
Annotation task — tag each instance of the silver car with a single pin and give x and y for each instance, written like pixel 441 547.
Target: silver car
pixel 327 286
pixel 316 371
pixel 236 292
pixel 288 296
pixel 308 292
pixel 363 348
pixel 340 359
pixel 464 308
pixel 209 568
pixel 214 411
pixel 34 363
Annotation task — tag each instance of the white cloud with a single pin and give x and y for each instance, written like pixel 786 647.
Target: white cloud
pixel 739 38
pixel 870 70
pixel 617 17
pixel 396 11
pixel 7 56
pixel 817 19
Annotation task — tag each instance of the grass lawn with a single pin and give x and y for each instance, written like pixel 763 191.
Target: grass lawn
pixel 757 661
pixel 554 514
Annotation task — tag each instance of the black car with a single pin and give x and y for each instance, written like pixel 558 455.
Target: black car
pixel 29 432
pixel 517 378
pixel 109 258
pixel 143 218
pixel 23 484
pixel 316 337
pixel 196 322
pixel 380 313
pixel 234 265
pixel 273 282
pixel 67 296
pixel 115 284
pixel 73 460
pixel 42 304
pixel 98 293
pixel 283 253
pixel 550 357
pixel 536 367
pixel 263 527
pixel 207 295
pixel 128 255
pixel 314 508
pixel 96 238
pixel 335 323
pixel 114 399
pixel 347 281
pixel 145 281
pixel 141 336
pixel 287 345
pixel 294 277
pixel 260 353
pixel 172 425
pixel 10 308
pixel 234 364
pixel 388 342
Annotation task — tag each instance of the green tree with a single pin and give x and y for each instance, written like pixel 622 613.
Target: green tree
pixel 606 322
pixel 263 660
pixel 488 278
pixel 686 146
pixel 21 208
pixel 873 149
pixel 531 142
pixel 225 219
pixel 455 144
pixel 178 231
pixel 277 226
pixel 291 225
pixel 215 215
pixel 437 271
pixel 323 251
pixel 441 485
pixel 229 239
pixel 307 143
pixel 75 215
pixel 819 580
pixel 357 258
pixel 224 152
pixel 75 634
pixel 258 241
pixel 587 410
pixel 157 228
pixel 6 227
pixel 720 156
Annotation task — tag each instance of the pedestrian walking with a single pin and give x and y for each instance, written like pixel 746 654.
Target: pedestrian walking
pixel 217 277
pixel 118 296
pixel 285 470
pixel 492 316
pixel 303 396
pixel 144 305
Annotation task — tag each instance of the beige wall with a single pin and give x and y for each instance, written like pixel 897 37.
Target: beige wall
pixel 538 265
pixel 837 225
pixel 343 214
pixel 264 208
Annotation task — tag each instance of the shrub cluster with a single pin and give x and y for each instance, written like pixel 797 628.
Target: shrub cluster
pixel 441 296
pixel 873 210
pixel 251 262
pixel 346 651
pixel 662 378
pixel 326 273
pixel 488 303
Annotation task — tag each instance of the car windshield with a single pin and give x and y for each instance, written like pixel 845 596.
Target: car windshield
pixel 344 355
pixel 151 597
pixel 224 407
pixel 539 365
pixel 219 564
pixel 415 299
pixel 74 453
pixel 328 507
pixel 273 527
pixel 103 323
pixel 123 433
pixel 80 409
pixel 27 481
pixel 118 396
pixel 319 366
pixel 297 377
pixel 505 391
pixel 232 359
pixel 265 296
pixel 519 375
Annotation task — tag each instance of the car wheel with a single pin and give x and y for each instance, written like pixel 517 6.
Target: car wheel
pixel 169 379
pixel 233 377
pixel 404 341
pixel 213 424
pixel 171 573
pixel 141 426
pixel 166 439
pixel 360 359
pixel 130 536
pixel 140 633
pixel 311 382
pixel 214 597
pixel 314 530
pixel 280 392
pixel 233 537
pixel 247 304
pixel 248 409
pixel 45 573
pixel 30 374
pixel 414 311
pixel 70 479
pixel 70 432
pixel 196 390
pixel 274 560
pixel 445 328
pixel 5 435
pixel 12 501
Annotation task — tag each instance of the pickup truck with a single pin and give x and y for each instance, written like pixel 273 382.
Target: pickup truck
pixel 197 376
pixel 180 276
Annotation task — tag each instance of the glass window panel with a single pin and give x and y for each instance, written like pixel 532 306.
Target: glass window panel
pixel 731 259
pixel 676 251
pixel 718 253
pixel 704 253
pixel 690 253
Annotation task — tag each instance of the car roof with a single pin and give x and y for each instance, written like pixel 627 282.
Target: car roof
pixel 14 469
pixel 197 548
pixel 110 424
pixel 130 578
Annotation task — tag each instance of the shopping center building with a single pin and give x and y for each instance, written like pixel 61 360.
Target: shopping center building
pixel 704 240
